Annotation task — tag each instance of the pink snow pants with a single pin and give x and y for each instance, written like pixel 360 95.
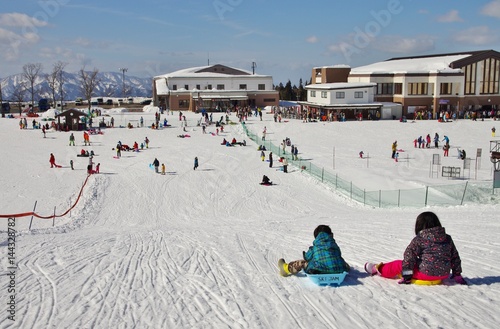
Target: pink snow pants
pixel 393 270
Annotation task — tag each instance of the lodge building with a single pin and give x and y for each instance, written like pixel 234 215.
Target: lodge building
pixel 213 88
pixel 454 82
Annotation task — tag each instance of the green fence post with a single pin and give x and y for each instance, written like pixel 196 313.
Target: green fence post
pixel 336 179
pixel 379 198
pixel 463 196
pixel 351 190
pixel 399 198
pixel 322 174
pixel 364 197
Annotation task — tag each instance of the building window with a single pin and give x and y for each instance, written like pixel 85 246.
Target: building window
pixel 445 88
pixel 186 87
pixel 384 89
pixel 269 100
pixel 184 103
pixel 243 87
pixel 489 83
pixel 358 94
pixel 209 87
pixel 198 87
pixel 398 88
pixel 418 88
pixel 313 93
pixel 220 87
pixel 324 94
pixel 470 79
pixel 340 94
pixel 262 86
pixel 174 87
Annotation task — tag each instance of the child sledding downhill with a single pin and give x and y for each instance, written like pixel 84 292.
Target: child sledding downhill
pixel 323 257
pixel 428 258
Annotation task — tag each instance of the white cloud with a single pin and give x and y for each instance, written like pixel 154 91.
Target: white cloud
pixel 12 42
pixel 20 20
pixel 478 35
pixel 312 39
pixel 491 9
pixel 404 45
pixel 450 17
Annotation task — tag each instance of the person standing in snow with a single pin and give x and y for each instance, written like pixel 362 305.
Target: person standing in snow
pixel 436 140
pixel 71 139
pixel 395 147
pixel 52 161
pixel 156 164
pixel 195 163
pixel 285 165
pixel 262 155
pixel 270 159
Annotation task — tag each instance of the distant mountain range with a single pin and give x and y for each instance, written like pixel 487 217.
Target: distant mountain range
pixel 110 85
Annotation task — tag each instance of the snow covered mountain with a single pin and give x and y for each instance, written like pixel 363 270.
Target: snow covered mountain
pixel 110 85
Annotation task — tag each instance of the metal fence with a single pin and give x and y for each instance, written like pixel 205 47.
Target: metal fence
pixel 439 195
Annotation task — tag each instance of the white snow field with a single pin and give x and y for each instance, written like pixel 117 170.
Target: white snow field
pixel 199 248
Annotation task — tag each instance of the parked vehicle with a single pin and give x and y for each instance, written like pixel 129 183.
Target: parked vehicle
pixel 43 105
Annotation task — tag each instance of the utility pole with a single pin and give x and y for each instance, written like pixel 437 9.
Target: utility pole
pixel 123 69
pixel 254 65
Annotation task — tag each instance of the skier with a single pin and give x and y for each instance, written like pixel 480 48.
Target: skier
pixel 71 164
pixel 146 141
pixel 323 257
pixel 270 159
pixel 156 164
pixel 97 168
pixel 262 155
pixel 285 165
pixel 493 130
pixel 428 258
pixel 163 169
pixel 43 131
pixel 71 139
pixel 396 156
pixel 195 163
pixel 361 154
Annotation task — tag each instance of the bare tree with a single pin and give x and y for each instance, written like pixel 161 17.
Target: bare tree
pixel 56 81
pixel 31 72
pixel 18 95
pixel 89 82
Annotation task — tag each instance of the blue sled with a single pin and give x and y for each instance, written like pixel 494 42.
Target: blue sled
pixel 327 279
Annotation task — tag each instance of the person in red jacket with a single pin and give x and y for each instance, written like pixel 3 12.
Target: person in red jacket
pixel 52 161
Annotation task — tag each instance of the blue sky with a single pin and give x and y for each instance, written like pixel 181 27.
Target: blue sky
pixel 285 38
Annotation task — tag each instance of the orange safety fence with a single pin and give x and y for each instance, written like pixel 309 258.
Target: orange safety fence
pixel 32 213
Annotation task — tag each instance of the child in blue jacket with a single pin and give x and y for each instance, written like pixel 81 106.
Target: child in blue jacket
pixel 323 257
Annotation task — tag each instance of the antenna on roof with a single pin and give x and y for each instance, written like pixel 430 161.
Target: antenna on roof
pixel 254 65
pixel 208 59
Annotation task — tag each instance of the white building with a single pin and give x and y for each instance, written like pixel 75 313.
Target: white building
pixel 213 87
pixel 453 82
